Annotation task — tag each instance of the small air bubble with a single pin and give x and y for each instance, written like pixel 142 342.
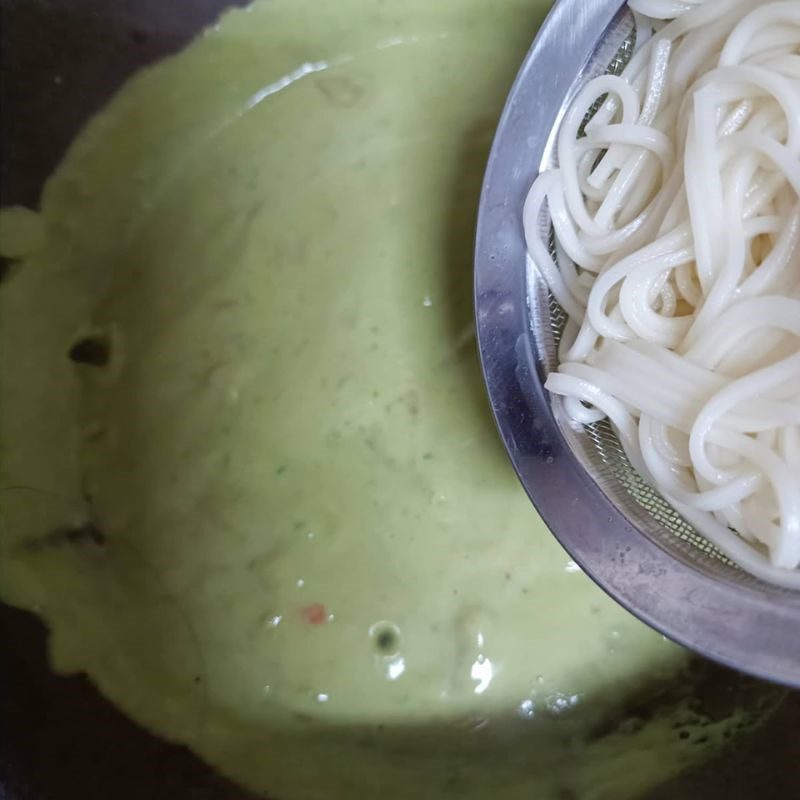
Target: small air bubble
pixel 386 637
pixel 527 709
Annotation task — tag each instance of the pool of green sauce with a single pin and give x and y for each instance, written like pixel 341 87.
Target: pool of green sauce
pixel 249 477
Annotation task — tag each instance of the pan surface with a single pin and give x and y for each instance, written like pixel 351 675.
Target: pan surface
pixel 61 60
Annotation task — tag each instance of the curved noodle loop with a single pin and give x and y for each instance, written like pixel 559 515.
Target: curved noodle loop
pixel 676 213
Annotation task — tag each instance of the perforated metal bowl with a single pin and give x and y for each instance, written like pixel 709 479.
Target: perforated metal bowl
pixel 621 532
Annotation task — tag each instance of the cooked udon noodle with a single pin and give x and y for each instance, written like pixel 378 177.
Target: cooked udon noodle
pixel 676 213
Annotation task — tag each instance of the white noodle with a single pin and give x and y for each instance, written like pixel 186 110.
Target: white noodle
pixel 676 212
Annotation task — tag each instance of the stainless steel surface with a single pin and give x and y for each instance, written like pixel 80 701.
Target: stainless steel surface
pixel 620 531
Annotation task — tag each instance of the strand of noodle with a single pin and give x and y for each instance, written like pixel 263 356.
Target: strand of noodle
pixel 785 551
pixel 666 476
pixel 566 232
pixel 737 549
pixel 569 133
pixel 538 253
pixel 636 307
pixel 577 288
pixel 788 65
pixel 757 383
pixel 731 270
pixel 637 136
pixel 673 411
pixel 676 455
pixel 746 81
pixel 693 385
pixel 775 265
pixel 744 37
pixel 740 321
pixel 615 157
pixel 624 424
pixel 703 187
pixel 668 252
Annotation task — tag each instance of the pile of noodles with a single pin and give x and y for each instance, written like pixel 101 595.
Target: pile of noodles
pixel 676 212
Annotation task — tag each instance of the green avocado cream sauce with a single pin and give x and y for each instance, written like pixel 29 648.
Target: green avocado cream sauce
pixel 249 477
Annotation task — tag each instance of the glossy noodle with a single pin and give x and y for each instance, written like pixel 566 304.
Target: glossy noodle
pixel 676 215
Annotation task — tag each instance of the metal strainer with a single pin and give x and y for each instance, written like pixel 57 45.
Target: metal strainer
pixel 621 531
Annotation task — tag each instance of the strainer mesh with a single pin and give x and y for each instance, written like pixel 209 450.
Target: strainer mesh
pixel 597 446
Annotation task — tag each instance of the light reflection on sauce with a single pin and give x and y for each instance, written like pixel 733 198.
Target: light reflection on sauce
pixel 482 673
pixel 395 668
